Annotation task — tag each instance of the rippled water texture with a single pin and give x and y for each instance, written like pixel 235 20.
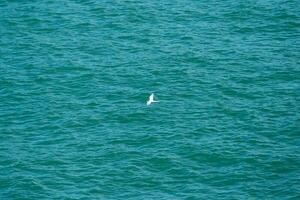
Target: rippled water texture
pixel 75 77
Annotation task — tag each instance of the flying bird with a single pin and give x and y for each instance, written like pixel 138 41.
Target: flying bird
pixel 151 99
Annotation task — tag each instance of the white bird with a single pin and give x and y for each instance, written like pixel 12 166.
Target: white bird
pixel 151 99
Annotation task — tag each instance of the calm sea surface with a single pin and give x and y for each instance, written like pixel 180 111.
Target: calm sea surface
pixel 75 76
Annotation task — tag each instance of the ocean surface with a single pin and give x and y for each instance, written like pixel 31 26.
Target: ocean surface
pixel 75 76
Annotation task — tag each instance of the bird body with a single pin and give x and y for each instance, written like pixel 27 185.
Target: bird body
pixel 151 99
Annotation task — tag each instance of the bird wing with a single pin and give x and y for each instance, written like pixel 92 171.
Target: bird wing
pixel 151 98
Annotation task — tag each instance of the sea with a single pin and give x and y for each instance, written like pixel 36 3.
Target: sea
pixel 75 76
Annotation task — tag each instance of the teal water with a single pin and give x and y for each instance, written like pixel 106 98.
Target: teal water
pixel 75 77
